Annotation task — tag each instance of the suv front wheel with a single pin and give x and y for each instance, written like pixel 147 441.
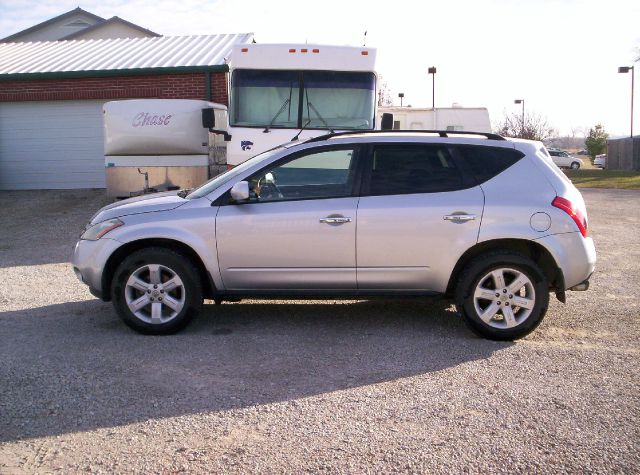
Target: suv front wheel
pixel 156 291
pixel 502 295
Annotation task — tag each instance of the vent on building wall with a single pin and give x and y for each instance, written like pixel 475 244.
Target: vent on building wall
pixel 78 23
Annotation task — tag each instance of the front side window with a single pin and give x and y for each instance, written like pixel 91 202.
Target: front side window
pixel 324 174
pixel 293 99
pixel 223 178
pixel 412 168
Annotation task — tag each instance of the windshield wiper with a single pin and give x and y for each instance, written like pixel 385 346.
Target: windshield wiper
pixel 282 108
pixel 311 106
pixel 300 131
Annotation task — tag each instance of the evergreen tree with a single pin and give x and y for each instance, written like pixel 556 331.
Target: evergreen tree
pixel 596 141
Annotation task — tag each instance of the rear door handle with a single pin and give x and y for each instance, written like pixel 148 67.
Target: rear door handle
pixel 335 220
pixel 459 217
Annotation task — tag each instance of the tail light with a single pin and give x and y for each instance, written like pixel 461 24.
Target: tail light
pixel 578 215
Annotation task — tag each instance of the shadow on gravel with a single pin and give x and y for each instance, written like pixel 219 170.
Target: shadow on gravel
pixel 76 367
pixel 42 226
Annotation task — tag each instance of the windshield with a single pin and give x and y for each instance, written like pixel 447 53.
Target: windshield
pixel 265 98
pixel 216 181
pixel 338 100
pixel 289 99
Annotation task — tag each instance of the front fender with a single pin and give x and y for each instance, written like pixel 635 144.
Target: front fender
pixel 192 227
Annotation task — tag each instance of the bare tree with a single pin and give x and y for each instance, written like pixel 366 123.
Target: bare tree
pixel 534 127
pixel 574 140
pixel 385 98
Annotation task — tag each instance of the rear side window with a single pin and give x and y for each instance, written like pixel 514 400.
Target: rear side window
pixel 487 162
pixel 412 168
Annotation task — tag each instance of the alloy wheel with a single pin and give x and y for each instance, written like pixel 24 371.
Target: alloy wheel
pixel 504 298
pixel 155 294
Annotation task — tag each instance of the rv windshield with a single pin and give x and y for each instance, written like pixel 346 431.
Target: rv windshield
pixel 330 99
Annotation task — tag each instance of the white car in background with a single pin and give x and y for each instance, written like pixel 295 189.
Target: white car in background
pixel 564 160
pixel 600 161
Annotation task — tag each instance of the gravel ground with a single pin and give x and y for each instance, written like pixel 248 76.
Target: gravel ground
pixel 282 386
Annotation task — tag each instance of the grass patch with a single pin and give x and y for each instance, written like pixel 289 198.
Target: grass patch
pixel 605 179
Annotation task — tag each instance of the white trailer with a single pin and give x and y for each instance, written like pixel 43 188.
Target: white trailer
pixel 456 118
pixel 162 138
pixel 278 89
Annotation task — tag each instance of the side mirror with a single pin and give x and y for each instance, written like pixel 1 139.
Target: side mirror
pixel 387 121
pixel 240 191
pixel 209 122
pixel 208 118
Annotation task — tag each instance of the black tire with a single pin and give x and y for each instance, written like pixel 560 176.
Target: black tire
pixel 575 165
pixel 477 273
pixel 189 293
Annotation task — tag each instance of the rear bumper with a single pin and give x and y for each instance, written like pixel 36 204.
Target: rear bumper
pixel 574 255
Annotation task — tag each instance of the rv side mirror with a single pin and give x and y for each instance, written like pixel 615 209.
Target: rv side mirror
pixel 240 191
pixel 387 121
pixel 208 118
pixel 209 122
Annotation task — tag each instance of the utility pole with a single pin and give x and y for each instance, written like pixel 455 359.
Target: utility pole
pixel 521 101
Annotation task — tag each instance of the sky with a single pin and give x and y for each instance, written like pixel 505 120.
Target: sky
pixel 560 56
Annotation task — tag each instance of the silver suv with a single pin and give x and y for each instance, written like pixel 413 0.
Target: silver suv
pixel 489 221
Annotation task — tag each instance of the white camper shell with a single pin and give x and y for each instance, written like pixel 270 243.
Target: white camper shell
pixel 163 138
pixel 454 119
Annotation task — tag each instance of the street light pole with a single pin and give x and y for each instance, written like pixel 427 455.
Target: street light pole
pixel 626 69
pixel 432 71
pixel 521 101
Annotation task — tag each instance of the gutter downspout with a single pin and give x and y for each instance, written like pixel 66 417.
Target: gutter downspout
pixel 207 86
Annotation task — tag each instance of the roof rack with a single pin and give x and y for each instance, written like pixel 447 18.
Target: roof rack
pixel 441 133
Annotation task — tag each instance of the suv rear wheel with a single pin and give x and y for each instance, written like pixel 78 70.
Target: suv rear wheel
pixel 156 291
pixel 575 165
pixel 502 295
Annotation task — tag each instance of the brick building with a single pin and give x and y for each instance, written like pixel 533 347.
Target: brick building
pixel 51 96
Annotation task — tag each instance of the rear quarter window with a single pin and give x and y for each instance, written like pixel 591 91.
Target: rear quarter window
pixel 487 162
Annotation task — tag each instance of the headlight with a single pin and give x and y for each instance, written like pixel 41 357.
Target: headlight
pixel 98 230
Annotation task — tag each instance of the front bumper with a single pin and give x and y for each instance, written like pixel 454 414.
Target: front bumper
pixel 89 260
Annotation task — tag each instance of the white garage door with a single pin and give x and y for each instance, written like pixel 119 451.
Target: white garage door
pixel 51 145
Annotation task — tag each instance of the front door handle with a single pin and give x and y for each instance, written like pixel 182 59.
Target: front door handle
pixel 335 220
pixel 459 217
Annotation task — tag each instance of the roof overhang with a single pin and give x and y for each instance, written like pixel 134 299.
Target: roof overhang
pixel 222 68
